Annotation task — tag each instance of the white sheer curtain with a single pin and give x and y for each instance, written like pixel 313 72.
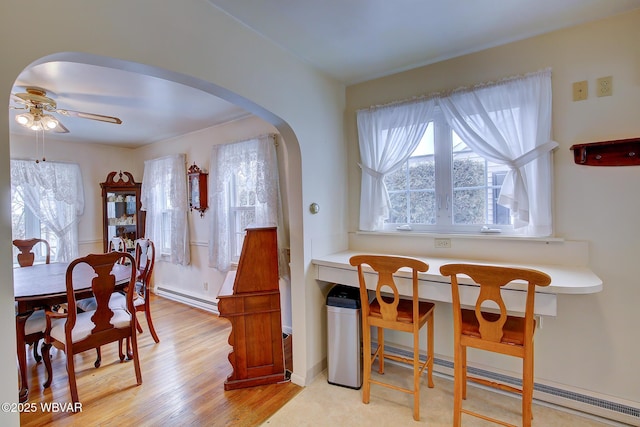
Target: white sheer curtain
pixel 254 164
pixel 164 198
pixel 509 123
pixel 387 136
pixel 55 194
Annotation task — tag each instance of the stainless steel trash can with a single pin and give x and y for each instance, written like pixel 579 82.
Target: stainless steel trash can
pixel 344 348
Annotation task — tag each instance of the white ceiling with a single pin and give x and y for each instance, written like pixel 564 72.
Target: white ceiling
pixel 357 40
pixel 351 40
pixel 151 109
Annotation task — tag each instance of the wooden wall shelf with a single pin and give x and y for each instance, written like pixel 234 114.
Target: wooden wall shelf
pixel 621 152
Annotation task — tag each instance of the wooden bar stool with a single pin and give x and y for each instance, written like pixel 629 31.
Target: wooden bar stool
pixel 389 311
pixel 493 330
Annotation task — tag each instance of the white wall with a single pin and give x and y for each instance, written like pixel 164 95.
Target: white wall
pixel 196 146
pixel 591 344
pixel 194 43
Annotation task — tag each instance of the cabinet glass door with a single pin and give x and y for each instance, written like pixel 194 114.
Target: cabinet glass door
pixel 121 217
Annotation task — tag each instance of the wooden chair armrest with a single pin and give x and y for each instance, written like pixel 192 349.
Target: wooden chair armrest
pixel 51 315
pixel 55 314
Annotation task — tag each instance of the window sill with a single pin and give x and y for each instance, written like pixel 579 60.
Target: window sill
pixel 481 236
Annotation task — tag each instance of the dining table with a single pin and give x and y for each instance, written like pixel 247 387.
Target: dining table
pixel 42 286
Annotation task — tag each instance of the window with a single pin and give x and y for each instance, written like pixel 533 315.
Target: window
pixel 47 199
pixel 445 186
pixel 163 196
pixel 242 209
pixel 477 159
pixel 245 191
pixel 26 225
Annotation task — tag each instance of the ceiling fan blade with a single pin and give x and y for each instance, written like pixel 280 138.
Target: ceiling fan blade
pixel 91 116
pixel 60 128
pixel 16 98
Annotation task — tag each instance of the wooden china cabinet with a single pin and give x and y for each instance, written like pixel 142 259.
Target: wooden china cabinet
pixel 121 212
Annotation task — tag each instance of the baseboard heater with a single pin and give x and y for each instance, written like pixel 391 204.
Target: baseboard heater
pixel 591 405
pixel 188 299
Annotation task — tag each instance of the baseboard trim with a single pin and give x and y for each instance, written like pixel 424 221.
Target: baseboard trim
pixel 597 406
pixel 211 306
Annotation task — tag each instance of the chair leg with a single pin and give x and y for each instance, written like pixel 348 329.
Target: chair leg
pixel 527 386
pixel 98 358
pixel 47 363
pixel 430 351
pixel 381 353
pixel 71 373
pixel 147 313
pixel 463 351
pixel 123 353
pixel 366 372
pixel 136 361
pixel 458 379
pixel 36 356
pixel 416 375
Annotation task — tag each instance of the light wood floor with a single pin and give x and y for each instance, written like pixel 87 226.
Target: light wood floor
pixel 182 379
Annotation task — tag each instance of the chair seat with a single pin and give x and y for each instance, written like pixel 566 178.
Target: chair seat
pixel 119 301
pixel 35 323
pixel 84 325
pixel 405 309
pixel 513 330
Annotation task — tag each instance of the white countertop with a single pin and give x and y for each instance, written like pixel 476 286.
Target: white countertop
pixel 564 279
pixel 335 268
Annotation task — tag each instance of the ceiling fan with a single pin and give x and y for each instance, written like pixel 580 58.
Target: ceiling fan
pixel 38 105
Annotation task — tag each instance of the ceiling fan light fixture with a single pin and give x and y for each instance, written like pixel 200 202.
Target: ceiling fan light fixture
pixel 49 122
pixel 25 119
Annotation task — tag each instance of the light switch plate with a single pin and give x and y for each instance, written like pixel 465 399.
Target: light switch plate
pixel 580 90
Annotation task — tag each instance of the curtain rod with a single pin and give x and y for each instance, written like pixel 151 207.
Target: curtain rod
pixel 445 93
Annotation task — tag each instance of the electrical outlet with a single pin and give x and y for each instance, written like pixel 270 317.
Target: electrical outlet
pixel 442 243
pixel 205 286
pixel 580 90
pixel 605 86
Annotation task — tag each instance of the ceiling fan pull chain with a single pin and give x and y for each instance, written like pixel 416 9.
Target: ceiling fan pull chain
pixel 37 161
pixel 43 158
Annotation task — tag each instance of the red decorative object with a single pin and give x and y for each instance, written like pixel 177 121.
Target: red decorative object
pixel 621 152
pixel 197 189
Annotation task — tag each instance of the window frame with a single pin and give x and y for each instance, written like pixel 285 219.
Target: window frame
pixel 443 158
pixel 33 228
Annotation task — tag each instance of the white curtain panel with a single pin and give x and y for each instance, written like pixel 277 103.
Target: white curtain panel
pixel 387 136
pixel 509 122
pixel 55 194
pixel 164 198
pixel 256 161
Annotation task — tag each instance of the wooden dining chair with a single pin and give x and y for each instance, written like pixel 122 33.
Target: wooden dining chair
pixel 117 244
pixel 34 331
pixel 75 333
pixel 145 260
pixel 491 329
pixel 26 257
pixel 28 333
pixel 388 311
pixel 34 326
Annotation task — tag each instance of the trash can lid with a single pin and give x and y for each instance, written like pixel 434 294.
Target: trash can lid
pixel 344 296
